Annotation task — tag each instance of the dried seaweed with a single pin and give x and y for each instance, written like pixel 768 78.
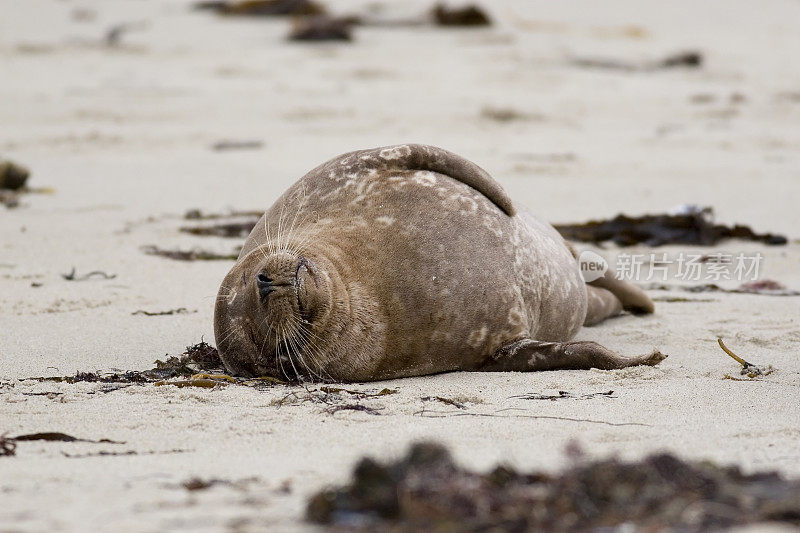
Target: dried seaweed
pixel 198 483
pixel 564 395
pixel 446 401
pixel 322 28
pixel 760 287
pixel 224 229
pixel 10 199
pixel 262 8
pixel 680 299
pixel 501 413
pixel 470 15
pixel 221 146
pixel 72 276
pixel 8 447
pixel 427 491
pixel 197 214
pixel 178 311
pixel 202 383
pixel 331 396
pixel 695 226
pixel 54 436
pixel 357 393
pixel 12 176
pixel 688 59
pixel 105 453
pixel 200 357
pixel 748 369
pixel 195 254
pixel 352 407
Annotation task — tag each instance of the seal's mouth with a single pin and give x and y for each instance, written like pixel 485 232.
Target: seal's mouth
pixel 284 356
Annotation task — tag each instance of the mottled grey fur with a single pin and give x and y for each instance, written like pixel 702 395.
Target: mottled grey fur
pixel 409 260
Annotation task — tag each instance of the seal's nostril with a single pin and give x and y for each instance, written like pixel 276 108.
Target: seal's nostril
pixel 264 283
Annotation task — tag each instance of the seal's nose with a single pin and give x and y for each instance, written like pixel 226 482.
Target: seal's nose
pixel 265 286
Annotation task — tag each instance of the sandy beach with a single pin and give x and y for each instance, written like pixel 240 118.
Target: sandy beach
pixel 119 139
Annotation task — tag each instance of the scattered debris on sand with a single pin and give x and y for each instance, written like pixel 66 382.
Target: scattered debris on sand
pixel 322 28
pixel 695 226
pixel 426 491
pixel 201 379
pixel 691 59
pixel 470 15
pixel 54 436
pixel 748 369
pixel 197 483
pixel 334 398
pixel 12 181
pixel 8 447
pixel 236 224
pixel 564 395
pixel 358 394
pixel 263 8
pixel 222 229
pixel 72 276
pixel 506 114
pixel 353 407
pixel 178 311
pixel 106 453
pixel 446 401
pixel 113 36
pixel 12 176
pixel 226 145
pixel 197 214
pixel 198 366
pixel 195 254
pixel 688 59
pixel 198 358
pixel 10 199
pixel 765 287
pixel 681 299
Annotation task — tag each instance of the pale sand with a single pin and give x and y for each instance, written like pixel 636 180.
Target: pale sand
pixel 124 134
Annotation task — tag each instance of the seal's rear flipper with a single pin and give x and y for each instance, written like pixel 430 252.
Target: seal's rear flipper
pixel 434 159
pixel 527 355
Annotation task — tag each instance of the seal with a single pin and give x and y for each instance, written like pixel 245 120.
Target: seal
pixel 409 260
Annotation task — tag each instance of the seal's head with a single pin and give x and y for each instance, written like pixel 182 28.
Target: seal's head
pixel 270 309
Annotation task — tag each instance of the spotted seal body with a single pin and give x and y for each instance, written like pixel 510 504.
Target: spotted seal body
pixel 403 261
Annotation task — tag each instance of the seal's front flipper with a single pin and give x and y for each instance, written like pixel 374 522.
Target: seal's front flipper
pixel 601 305
pixel 633 299
pixel 527 355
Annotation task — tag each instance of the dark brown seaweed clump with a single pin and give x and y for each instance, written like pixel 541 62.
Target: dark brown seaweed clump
pixel 470 15
pixel 224 229
pixel 426 491
pixel 693 227
pixel 12 176
pixel 12 182
pixel 201 357
pixel 322 28
pixel 195 254
pixel 689 59
pixel 266 8
pixel 7 446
